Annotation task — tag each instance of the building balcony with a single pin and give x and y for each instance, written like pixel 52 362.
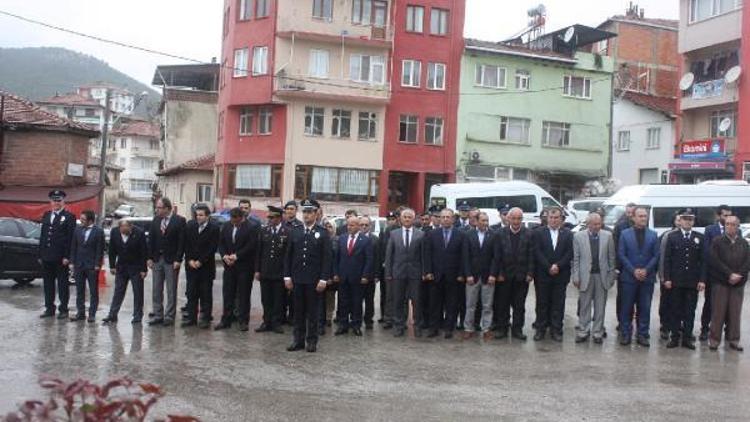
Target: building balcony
pixel 142 174
pixel 145 152
pixel 709 94
pixel 360 36
pixel 304 87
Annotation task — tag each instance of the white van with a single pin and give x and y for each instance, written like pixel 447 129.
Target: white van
pixel 663 201
pixel 489 196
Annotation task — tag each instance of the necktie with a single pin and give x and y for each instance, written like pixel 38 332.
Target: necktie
pixel 164 222
pixel 350 247
pixel 407 238
pixel 200 228
pixel 86 234
pixel 234 234
pixel 446 238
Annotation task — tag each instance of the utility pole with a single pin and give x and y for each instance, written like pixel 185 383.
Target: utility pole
pixel 103 155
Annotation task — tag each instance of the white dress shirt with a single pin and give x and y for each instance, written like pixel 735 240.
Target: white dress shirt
pixel 554 234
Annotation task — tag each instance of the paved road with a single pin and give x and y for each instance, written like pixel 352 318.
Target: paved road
pixel 233 376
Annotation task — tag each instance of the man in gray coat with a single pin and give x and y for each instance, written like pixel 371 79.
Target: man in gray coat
pixel 404 272
pixel 593 273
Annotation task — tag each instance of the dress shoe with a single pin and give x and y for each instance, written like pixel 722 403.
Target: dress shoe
pixel 604 333
pixel 109 320
pixel 151 314
pixel 135 321
pixel 488 335
pixel 78 317
pixel 242 326
pixel 704 334
pixel 643 341
pixel 311 348
pixel 625 340
pixel 556 337
pixel 381 320
pixel 368 326
pixel 357 332
pixel 295 347
pixel 582 339
pixel 399 332
pixel 341 331
pixel 501 334
pixel 157 321
pixel 448 335
pixel 713 347
pixel 204 324
pixel 673 342
pixel 736 347
pixel 539 335
pixel 278 330
pixel 62 315
pixel 188 324
pixel 664 334
pixel 47 314
pixel 387 326
pixel 460 327
pixel 688 344
pixel 91 319
pixel 467 335
pixel 432 334
pixel 168 323
pixel 598 340
pixel 264 328
pixel 519 335
pixel 223 325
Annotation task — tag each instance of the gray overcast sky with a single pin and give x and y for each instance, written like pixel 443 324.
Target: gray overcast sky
pixel 192 28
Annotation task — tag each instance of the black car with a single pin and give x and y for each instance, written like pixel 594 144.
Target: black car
pixel 19 250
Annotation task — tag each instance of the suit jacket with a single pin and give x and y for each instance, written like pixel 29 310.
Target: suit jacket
pixel 131 255
pixel 729 257
pixel 244 245
pixel 631 257
pixel 478 258
pixel 309 256
pixel 86 254
pixel 546 256
pixel 580 270
pixel 402 263
pixel 271 251
pixel 352 268
pixel 377 257
pixel 514 264
pixel 202 246
pixel 55 238
pixel 170 244
pixel 445 262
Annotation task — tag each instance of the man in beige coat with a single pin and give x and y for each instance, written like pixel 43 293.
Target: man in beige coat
pixel 593 273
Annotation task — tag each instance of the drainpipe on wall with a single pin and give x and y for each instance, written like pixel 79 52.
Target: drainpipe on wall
pixel 611 116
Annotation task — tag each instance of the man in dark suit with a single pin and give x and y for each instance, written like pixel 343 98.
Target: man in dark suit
pixel 553 253
pixel 58 226
pixel 352 269
pixel 307 267
pixel 386 306
pixel 639 258
pixel 237 246
pixel 166 249
pixel 445 275
pixel 513 268
pixel 128 253
pixel 685 276
pixel 365 226
pixel 201 243
pixel 711 232
pixel 86 255
pixel 269 267
pixel 478 254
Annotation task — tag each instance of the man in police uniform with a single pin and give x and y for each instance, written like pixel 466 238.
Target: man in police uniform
pixel 463 214
pixel 684 276
pixel 269 265
pixel 58 226
pixel 503 213
pixel 307 266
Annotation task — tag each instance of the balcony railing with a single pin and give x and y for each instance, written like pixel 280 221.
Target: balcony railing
pixel 330 88
pixel 709 93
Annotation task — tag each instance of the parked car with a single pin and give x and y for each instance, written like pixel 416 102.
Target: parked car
pixel 580 208
pixel 19 250
pixel 144 223
pixel 125 210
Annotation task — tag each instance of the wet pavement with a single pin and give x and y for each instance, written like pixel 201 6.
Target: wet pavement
pixel 234 376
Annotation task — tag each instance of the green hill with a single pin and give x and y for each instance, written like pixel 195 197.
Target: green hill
pixel 38 73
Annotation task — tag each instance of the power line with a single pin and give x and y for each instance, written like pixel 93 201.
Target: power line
pixel 122 44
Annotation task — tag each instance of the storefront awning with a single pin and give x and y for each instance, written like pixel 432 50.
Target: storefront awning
pixel 701 167
pixel 31 202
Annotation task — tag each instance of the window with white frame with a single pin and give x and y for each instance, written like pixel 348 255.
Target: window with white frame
pixel 265 120
pixel 577 87
pixel 715 123
pixel 514 129
pixel 253 176
pixel 361 12
pixel 653 138
pixel 368 123
pixel 139 185
pixel 246 121
pixel 367 69
pixel 490 76
pixel 704 9
pixel 411 71
pixel 337 184
pixel 436 76
pixel 323 9
pixel 240 63
pixel 341 123
pixel 433 131
pixel 523 80
pixel 408 128
pixel 555 134
pixel 205 192
pixel 262 8
pixel 414 18
pixel 260 61
pixel 314 121
pixel 623 140
pixel 319 63
pixel 438 21
pixel 245 10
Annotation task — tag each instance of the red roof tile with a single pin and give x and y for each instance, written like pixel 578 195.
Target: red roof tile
pixel 204 163
pixel 664 105
pixel 71 99
pixel 20 112
pixel 137 128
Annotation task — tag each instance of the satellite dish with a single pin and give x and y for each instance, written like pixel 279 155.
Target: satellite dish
pixel 733 74
pixel 569 34
pixel 687 81
pixel 725 124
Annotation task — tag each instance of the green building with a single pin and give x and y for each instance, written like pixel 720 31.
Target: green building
pixel 538 112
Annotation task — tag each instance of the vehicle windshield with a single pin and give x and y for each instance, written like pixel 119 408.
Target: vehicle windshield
pixel 32 230
pixel 526 202
pixel 612 213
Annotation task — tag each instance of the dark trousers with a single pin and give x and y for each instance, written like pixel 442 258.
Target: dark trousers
pixel 200 286
pixel 349 310
pixel 665 307
pixel 236 289
pixel 424 300
pixel 306 303
pixel 682 301
pixel 706 311
pixel 55 276
pixel 287 306
pixel 511 293
pixel 383 298
pixel 272 294
pixel 550 303
pixel 638 295
pixel 369 301
pixel 446 293
pixel 122 277
pixel 89 277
